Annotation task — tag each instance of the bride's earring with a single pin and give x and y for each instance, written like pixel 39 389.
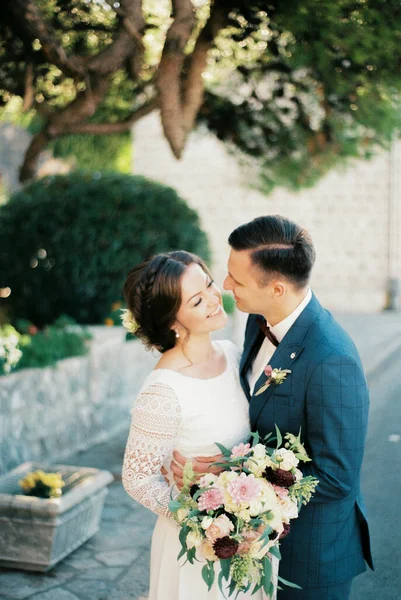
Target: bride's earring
pixel 177 335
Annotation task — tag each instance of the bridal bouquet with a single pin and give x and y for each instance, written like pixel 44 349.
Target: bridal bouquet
pixel 238 517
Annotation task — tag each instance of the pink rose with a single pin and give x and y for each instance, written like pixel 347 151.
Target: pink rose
pixel 268 370
pixel 220 527
pixel 281 492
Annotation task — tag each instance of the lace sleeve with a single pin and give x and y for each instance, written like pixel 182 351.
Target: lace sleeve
pixel 156 417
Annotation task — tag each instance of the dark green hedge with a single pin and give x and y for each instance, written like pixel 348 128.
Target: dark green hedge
pixel 67 242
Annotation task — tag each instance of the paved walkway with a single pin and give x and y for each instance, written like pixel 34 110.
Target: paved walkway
pixel 113 565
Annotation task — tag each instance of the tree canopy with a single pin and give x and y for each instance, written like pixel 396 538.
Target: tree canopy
pixel 295 85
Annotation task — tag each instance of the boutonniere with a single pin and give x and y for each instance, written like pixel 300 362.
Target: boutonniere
pixel 274 377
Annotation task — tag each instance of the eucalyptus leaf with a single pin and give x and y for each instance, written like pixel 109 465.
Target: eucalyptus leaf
pixel 279 436
pixel 223 449
pixel 267 574
pixel 174 505
pixel 289 583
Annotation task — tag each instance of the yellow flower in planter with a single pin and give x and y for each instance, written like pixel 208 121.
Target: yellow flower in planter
pixel 115 306
pixel 43 485
pixel 109 322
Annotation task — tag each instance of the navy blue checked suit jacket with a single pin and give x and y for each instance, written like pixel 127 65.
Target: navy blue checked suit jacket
pixel 327 396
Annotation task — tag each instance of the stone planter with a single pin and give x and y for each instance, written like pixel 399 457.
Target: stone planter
pixel 37 533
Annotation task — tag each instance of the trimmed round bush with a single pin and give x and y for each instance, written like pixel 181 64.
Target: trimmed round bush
pixel 68 241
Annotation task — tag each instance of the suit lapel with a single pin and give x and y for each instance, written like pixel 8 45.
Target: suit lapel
pixel 287 353
pixel 253 341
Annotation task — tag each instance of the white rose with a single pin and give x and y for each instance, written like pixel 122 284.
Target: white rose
pixel 255 508
pixel 289 509
pixel 194 540
pixel 244 514
pixel 276 521
pixel 208 479
pixel 257 466
pixel 206 522
pixel 268 496
pixel 182 513
pixel 298 475
pixel 286 458
pixel 259 451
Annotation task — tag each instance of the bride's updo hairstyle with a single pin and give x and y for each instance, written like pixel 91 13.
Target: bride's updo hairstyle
pixel 152 292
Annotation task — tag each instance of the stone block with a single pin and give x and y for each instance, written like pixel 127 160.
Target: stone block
pixel 36 533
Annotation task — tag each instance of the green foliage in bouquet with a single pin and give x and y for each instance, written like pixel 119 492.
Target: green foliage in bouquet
pixel 238 517
pixel 75 237
pixel 42 485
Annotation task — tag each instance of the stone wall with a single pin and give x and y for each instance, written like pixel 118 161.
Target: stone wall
pixel 347 212
pixel 55 411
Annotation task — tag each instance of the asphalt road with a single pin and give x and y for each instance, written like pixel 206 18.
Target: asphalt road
pixel 381 484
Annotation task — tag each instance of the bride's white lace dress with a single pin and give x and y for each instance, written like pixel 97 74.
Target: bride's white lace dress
pixel 174 411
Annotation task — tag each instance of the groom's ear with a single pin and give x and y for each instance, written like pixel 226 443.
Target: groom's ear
pixel 278 288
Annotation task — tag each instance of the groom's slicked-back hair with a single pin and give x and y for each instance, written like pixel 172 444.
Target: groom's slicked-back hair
pixel 277 245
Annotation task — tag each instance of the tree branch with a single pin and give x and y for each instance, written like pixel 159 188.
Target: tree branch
pixel 169 74
pixel 127 42
pixel 194 87
pixel 29 89
pixel 28 19
pixel 37 145
pixel 109 128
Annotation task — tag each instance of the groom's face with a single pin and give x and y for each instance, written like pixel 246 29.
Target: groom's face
pixel 243 280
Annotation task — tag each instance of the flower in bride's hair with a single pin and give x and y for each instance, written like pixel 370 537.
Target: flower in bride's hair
pixel 128 320
pixel 211 499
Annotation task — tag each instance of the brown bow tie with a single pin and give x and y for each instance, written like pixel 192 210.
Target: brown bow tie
pixel 265 329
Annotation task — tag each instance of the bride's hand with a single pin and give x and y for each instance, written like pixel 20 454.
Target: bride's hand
pixel 201 465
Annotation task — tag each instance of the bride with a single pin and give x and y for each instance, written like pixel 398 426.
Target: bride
pixel 191 399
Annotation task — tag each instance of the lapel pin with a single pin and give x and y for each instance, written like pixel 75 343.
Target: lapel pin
pixel 293 355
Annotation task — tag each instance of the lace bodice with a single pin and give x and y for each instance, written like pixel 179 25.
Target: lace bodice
pixel 174 411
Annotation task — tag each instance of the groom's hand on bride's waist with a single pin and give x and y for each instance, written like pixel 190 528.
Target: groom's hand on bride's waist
pixel 201 466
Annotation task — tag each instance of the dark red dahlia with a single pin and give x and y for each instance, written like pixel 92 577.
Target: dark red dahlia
pixel 193 489
pixel 225 547
pixel 279 477
pixel 286 531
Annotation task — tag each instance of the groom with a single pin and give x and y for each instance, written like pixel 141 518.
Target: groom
pixel 325 394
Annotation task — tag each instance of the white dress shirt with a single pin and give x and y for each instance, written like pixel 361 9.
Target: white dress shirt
pixel 267 349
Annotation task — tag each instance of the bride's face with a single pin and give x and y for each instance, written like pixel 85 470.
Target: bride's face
pixel 201 309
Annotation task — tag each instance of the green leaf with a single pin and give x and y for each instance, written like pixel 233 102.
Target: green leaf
pixel 205 575
pixel 267 574
pixel 208 574
pixel 181 554
pixel 256 588
pixel 223 449
pixel 289 583
pixel 174 505
pixel 191 555
pixel 225 564
pixel 182 536
pixel 220 582
pixel 275 551
pixel 279 437
pixel 265 536
pixel 256 438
